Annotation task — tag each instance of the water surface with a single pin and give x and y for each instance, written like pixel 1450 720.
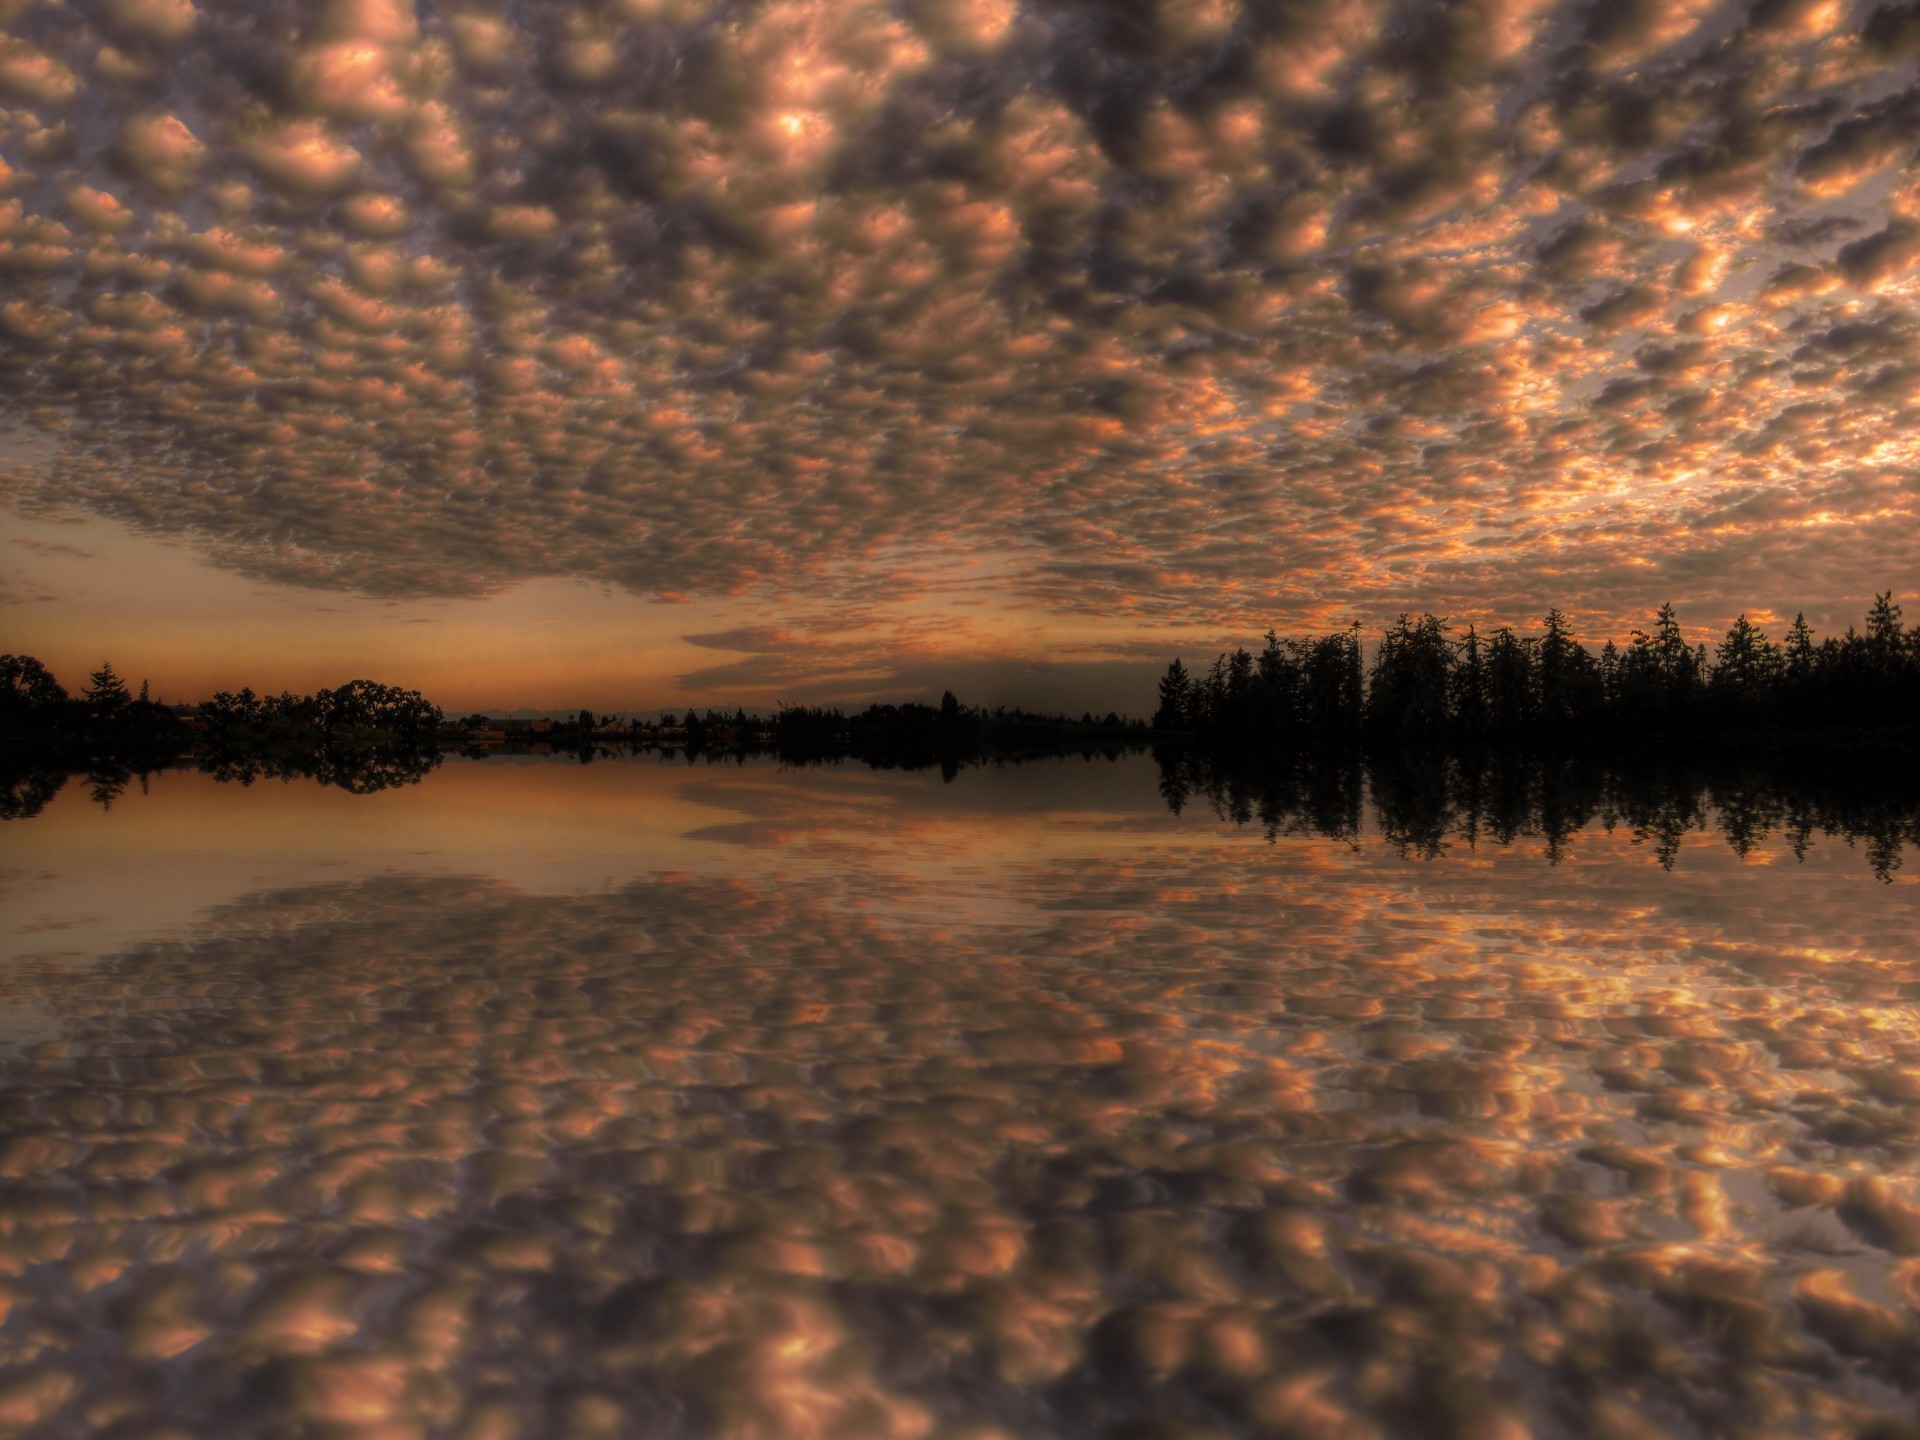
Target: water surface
pixel 651 1100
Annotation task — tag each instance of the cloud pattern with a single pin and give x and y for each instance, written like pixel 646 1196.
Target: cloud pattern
pixel 1205 1139
pixel 1196 310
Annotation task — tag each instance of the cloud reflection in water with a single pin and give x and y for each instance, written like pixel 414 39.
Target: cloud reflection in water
pixel 1220 1140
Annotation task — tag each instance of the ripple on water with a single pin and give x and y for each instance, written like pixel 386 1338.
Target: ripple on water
pixel 705 1158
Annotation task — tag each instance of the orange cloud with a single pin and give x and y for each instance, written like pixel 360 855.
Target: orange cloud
pixel 1206 312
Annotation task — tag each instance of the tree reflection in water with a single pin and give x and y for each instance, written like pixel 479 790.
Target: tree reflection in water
pixel 1222 1140
pixel 1424 805
pixel 26 789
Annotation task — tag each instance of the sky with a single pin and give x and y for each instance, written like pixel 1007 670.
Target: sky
pixel 643 352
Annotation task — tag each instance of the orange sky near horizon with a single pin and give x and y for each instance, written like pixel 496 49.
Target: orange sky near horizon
pixel 80 592
pixel 725 351
pixel 83 591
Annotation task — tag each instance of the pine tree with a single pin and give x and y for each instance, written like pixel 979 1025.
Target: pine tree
pixel 1799 649
pixel 1671 652
pixel 1469 699
pixel 1277 681
pixel 1569 679
pixel 1176 689
pixel 1512 682
pixel 1884 634
pixel 106 691
pixel 1744 673
pixel 1412 676
pixel 1239 674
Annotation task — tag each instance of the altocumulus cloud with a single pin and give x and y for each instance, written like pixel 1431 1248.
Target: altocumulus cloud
pixel 1194 308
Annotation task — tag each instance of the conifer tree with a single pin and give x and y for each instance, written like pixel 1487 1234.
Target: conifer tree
pixel 1569 682
pixel 1745 674
pixel 1884 641
pixel 106 692
pixel 1799 648
pixel 1175 698
pixel 1469 699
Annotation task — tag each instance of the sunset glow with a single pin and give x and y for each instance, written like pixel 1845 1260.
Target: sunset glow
pixel 1061 335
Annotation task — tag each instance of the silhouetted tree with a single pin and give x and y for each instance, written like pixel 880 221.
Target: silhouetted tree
pixel 1511 682
pixel 1745 674
pixel 1238 720
pixel 365 706
pixel 1883 633
pixel 1428 688
pixel 362 736
pixel 1570 685
pixel 1469 701
pixel 1207 703
pixel 1409 692
pixel 1276 678
pixel 1659 679
pixel 27 688
pixel 106 692
pixel 1676 664
pixel 1332 687
pixel 1176 689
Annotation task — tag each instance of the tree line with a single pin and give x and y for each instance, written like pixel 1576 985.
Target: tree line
pixel 1430 684
pixel 360 712
pixel 106 718
pixel 361 736
pixel 885 735
pixel 914 736
pixel 365 736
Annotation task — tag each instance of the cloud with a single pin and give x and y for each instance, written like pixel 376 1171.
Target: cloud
pixel 45 547
pixel 1198 312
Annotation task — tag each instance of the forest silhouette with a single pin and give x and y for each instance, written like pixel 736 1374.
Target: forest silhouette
pixel 1432 686
pixel 1449 739
pixel 1446 738
pixel 362 736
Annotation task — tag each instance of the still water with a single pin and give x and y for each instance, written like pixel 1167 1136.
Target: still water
pixel 646 1100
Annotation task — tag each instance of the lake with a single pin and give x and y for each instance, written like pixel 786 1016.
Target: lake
pixel 658 1100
